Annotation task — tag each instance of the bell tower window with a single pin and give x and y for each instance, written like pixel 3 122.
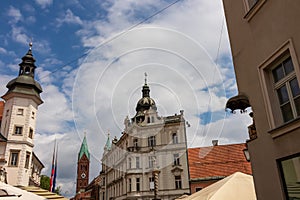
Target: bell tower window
pixel 27 70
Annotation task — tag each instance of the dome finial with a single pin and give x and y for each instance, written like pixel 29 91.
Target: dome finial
pixel 30 44
pixel 146 78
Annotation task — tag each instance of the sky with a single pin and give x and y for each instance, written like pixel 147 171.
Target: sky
pixel 91 57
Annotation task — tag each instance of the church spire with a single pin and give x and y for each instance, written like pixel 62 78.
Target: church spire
pixel 108 144
pixel 84 149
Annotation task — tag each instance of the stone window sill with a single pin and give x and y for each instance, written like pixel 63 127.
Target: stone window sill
pixel 285 128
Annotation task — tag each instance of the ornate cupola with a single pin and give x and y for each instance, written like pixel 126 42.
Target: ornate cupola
pixel 145 103
pixel 25 84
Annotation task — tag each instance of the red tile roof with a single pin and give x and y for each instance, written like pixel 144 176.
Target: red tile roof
pixel 1 109
pixel 215 161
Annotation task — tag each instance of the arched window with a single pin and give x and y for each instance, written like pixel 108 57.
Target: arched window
pixel 27 70
pixel 175 138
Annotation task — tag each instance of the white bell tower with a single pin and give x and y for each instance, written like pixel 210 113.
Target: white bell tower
pixel 18 122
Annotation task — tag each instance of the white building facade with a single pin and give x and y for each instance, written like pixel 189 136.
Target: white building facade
pixel 19 121
pixel 149 144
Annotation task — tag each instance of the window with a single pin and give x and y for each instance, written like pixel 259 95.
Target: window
pixel 151 183
pixel 14 158
pixel 7 113
pixel 137 162
pixel 138 184
pixel 32 114
pixel 129 185
pixel 178 182
pixel 151 141
pixel 290 174
pixel 175 138
pixel 129 163
pixel 251 3
pixel 18 130
pixel 30 135
pixel 287 89
pixel 20 111
pixel 135 142
pixel 152 119
pixel 176 159
pixel 27 160
pixel 148 120
pixel 152 160
pixel 198 189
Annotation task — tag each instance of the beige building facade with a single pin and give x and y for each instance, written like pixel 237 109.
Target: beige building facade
pixel 150 159
pixel 18 125
pixel 265 44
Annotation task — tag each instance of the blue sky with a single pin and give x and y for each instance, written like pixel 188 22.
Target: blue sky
pixel 91 64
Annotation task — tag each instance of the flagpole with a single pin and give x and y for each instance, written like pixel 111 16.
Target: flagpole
pixel 55 169
pixel 52 169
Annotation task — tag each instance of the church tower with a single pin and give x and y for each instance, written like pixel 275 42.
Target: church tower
pixel 83 166
pixel 19 120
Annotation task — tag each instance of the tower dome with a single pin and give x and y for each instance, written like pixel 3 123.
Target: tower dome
pixel 145 103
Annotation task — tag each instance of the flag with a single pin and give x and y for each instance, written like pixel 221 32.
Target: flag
pixel 53 169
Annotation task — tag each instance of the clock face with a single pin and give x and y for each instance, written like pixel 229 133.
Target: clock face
pixel 83 175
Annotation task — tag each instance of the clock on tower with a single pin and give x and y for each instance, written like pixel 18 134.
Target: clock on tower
pixel 83 167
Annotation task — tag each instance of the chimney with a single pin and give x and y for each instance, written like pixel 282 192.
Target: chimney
pixel 215 142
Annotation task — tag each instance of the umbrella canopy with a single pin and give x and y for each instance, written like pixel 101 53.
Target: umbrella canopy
pixel 234 187
pixel 9 192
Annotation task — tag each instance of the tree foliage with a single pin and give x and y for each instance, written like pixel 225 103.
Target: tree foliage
pixel 45 182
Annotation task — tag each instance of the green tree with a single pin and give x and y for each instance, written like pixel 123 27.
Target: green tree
pixel 58 190
pixel 45 182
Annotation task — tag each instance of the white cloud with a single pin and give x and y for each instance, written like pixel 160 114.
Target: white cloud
pixel 15 14
pixel 177 48
pixel 69 18
pixel 18 35
pixel 2 50
pixel 44 3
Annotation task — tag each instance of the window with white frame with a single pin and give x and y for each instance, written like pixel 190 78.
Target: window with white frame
pixel 138 184
pixel 18 130
pixel 137 162
pixel 178 182
pixel 151 141
pixel 175 138
pixel 151 183
pixel 287 89
pixel 14 158
pixel 176 159
pixel 152 160
pixel 135 142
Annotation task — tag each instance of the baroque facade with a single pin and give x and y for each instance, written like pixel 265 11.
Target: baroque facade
pixel 149 160
pixel 265 44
